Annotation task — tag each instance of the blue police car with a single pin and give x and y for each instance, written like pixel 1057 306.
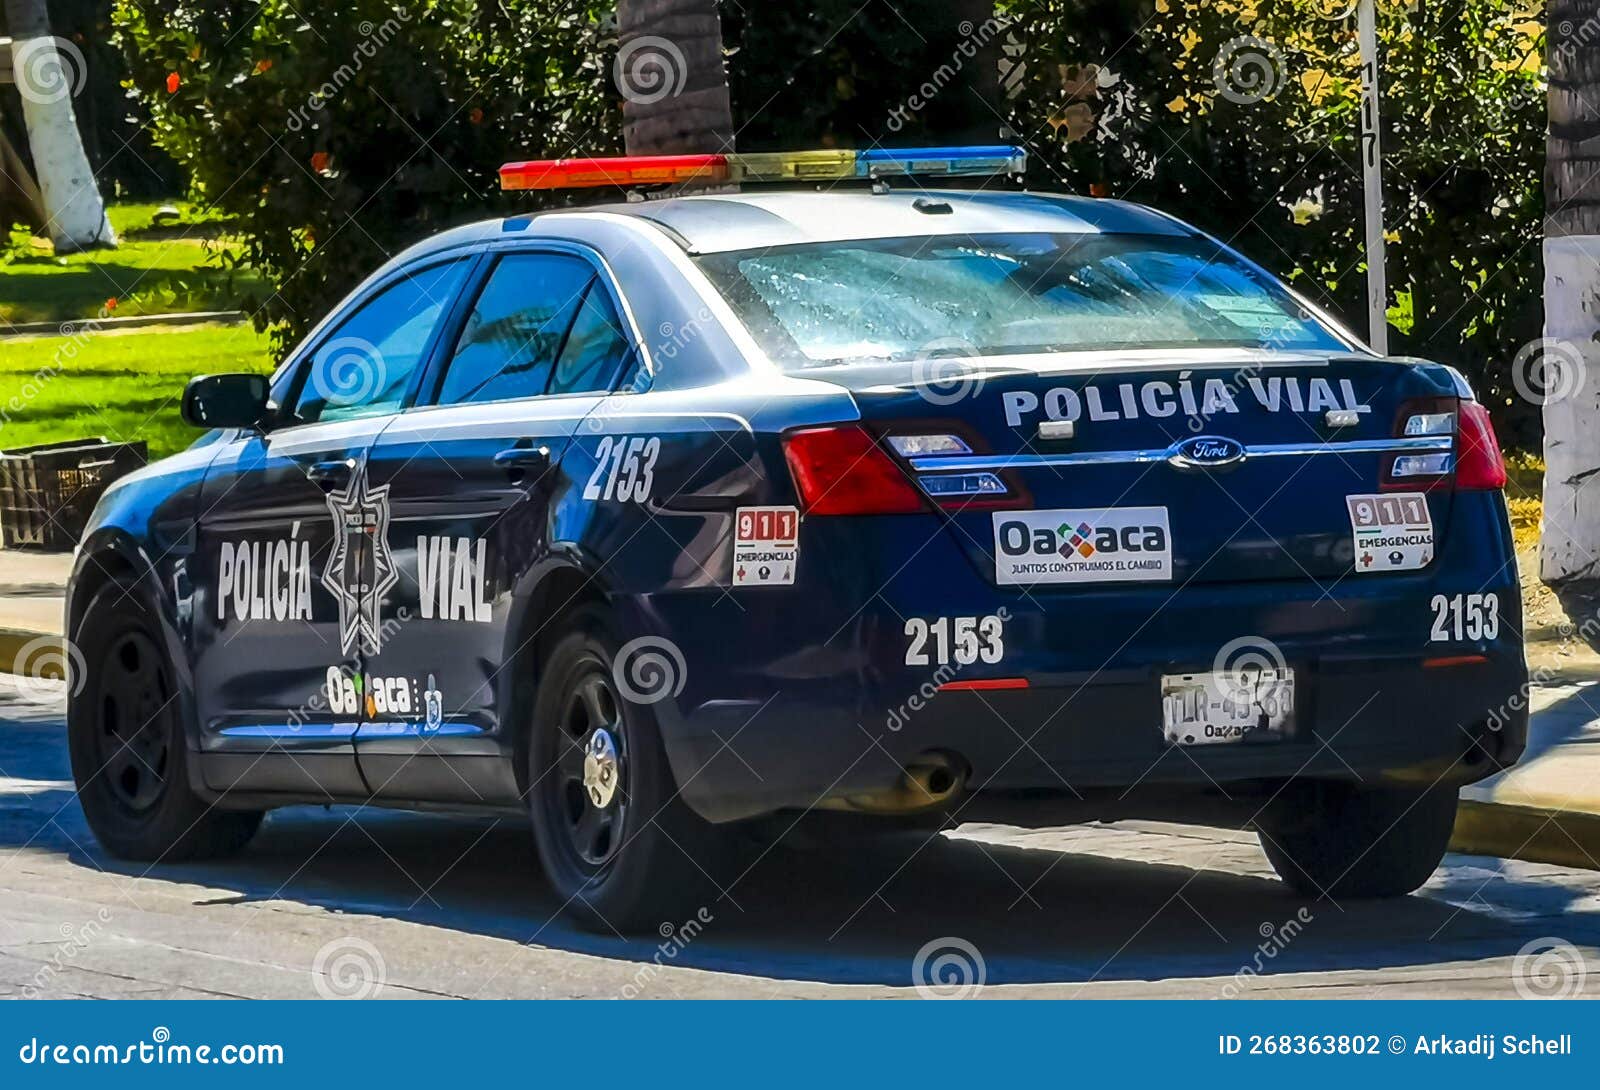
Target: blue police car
pixel 666 519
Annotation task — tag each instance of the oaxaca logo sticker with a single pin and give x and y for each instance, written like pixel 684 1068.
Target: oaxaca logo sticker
pixel 1114 544
pixel 360 568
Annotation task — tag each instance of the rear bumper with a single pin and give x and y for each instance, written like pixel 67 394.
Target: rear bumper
pixel 1359 720
pixel 801 694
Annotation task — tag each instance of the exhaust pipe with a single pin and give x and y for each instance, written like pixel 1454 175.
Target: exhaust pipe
pixel 928 782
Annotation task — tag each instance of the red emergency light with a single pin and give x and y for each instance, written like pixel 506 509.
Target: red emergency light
pixel 621 170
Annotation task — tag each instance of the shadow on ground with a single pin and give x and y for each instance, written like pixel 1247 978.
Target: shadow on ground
pixel 855 915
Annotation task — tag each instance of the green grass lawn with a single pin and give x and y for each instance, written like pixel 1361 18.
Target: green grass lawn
pixel 154 270
pixel 124 386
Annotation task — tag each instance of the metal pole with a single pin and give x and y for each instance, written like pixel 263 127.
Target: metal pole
pixel 1372 178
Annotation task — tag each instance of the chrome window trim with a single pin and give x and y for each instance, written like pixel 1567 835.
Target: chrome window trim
pixel 951 464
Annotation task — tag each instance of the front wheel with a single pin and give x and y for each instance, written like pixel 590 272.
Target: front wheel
pixel 621 850
pixel 1339 840
pixel 126 740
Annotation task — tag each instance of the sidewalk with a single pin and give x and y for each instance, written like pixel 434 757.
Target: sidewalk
pixel 32 607
pixel 1546 809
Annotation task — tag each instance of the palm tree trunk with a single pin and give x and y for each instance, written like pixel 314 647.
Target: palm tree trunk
pixel 47 80
pixel 670 72
pixel 1570 536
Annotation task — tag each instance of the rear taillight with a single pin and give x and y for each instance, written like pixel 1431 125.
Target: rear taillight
pixel 1473 462
pixel 925 454
pixel 1479 463
pixel 843 471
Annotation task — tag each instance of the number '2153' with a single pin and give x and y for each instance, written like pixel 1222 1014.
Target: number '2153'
pixel 624 470
pixel 1465 617
pixel 964 639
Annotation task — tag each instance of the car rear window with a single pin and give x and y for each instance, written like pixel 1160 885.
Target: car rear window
pixel 900 299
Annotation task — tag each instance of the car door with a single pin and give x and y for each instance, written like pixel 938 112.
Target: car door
pixel 471 480
pixel 290 549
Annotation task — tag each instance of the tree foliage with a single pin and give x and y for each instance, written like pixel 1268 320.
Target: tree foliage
pixel 338 137
pixel 1121 97
pixel 1244 118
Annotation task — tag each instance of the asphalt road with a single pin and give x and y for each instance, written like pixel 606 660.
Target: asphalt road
pixel 363 902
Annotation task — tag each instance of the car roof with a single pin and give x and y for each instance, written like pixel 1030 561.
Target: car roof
pixel 715 223
pixel 709 223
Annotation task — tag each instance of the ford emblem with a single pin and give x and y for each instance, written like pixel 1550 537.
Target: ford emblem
pixel 1206 452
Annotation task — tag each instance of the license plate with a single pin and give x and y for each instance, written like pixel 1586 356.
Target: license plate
pixel 1217 709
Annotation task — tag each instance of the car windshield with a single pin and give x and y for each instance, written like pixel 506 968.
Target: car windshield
pixel 902 299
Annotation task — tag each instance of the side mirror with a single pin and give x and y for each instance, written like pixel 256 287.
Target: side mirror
pixel 225 401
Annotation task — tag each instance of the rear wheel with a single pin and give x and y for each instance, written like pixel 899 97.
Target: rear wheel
pixel 126 740
pixel 1339 840
pixel 622 852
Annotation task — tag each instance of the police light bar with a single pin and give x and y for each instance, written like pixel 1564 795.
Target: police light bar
pixel 619 170
pixel 995 159
pixel 780 166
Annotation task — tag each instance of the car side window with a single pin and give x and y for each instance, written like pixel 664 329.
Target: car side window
pixel 595 348
pixel 364 366
pixel 514 336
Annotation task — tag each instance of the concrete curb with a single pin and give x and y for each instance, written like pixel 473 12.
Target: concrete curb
pixel 1536 834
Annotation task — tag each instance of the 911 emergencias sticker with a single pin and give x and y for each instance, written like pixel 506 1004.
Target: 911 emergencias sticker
pixel 766 546
pixel 1393 531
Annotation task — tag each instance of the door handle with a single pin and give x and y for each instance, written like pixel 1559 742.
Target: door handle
pixel 524 461
pixel 329 475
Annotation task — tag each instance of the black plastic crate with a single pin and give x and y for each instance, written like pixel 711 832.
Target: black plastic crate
pixel 47 492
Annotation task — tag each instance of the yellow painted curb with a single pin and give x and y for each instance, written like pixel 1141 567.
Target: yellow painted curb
pixel 32 654
pixel 1566 838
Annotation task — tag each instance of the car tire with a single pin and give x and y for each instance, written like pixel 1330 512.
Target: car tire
pixel 127 744
pixel 1339 840
pixel 624 854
